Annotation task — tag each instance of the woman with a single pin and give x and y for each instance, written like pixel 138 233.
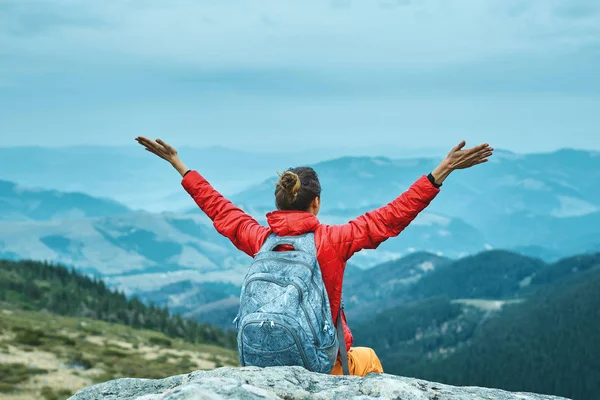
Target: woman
pixel 297 197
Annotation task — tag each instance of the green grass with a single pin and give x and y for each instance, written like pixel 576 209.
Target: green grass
pixel 49 393
pixel 111 351
pixel 15 373
pixel 35 286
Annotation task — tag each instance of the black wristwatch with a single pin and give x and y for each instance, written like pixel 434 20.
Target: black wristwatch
pixel 432 180
pixel 187 172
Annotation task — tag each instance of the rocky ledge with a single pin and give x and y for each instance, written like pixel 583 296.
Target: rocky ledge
pixel 288 383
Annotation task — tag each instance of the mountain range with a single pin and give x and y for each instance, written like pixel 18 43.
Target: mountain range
pixel 137 251
pixel 543 206
pixel 19 203
pixel 484 274
pixel 496 318
pixel 142 181
pixel 546 205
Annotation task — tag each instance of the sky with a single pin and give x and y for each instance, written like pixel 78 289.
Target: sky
pixel 299 74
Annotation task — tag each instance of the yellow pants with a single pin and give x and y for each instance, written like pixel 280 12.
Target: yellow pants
pixel 361 361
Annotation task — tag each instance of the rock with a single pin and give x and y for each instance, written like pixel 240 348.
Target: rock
pixel 288 383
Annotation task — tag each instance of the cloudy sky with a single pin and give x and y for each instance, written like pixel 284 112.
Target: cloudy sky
pixel 275 74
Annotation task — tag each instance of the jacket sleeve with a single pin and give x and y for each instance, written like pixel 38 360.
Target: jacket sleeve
pixel 371 229
pixel 230 221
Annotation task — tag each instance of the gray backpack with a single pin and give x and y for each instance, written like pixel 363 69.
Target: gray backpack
pixel 285 316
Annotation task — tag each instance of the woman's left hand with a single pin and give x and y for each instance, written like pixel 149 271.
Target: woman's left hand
pixel 158 147
pixel 164 151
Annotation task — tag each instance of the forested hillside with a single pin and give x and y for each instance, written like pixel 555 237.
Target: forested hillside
pixel 38 286
pixel 497 320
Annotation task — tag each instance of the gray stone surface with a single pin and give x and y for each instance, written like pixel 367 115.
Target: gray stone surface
pixel 288 383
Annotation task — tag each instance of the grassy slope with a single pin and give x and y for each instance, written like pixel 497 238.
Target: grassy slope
pixel 44 356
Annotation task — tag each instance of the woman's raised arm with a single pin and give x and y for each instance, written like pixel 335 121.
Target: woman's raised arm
pixel 230 221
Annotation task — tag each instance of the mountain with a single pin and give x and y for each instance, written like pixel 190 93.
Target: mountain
pixel 136 252
pixel 220 313
pixel 144 253
pixel 28 204
pixel 546 201
pixel 194 299
pixel 566 269
pixel 105 238
pixel 178 261
pixel 364 290
pixel 496 319
pixel 566 235
pixel 142 181
pixel 489 275
pixel 493 274
pixel 548 343
pixel 535 204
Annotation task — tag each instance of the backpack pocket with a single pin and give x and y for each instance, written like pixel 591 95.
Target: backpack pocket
pixel 262 286
pixel 270 344
pixel 330 353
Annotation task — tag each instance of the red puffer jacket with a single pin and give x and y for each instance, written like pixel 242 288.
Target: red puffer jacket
pixel 335 243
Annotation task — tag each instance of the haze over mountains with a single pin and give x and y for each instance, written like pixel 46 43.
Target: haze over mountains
pixel 18 203
pixel 141 181
pixel 442 296
pixel 542 205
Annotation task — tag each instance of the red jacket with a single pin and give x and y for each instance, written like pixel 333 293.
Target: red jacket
pixel 335 243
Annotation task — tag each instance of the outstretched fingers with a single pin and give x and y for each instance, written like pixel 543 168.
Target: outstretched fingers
pixel 482 156
pixel 152 146
pixel 145 142
pixel 478 149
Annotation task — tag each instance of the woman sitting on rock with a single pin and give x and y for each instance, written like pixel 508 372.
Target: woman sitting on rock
pixel 297 197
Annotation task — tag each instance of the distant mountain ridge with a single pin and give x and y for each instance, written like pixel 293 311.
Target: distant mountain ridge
pixel 23 204
pixel 141 181
pixel 143 252
pixel 545 201
pixel 542 204
pixel 136 251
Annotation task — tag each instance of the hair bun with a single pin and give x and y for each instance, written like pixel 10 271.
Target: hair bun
pixel 290 182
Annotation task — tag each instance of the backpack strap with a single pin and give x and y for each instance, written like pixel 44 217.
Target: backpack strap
pixel 342 340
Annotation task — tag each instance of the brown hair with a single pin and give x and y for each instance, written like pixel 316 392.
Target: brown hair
pixel 297 188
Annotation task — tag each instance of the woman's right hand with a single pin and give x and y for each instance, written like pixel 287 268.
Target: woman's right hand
pixel 164 151
pixel 458 158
